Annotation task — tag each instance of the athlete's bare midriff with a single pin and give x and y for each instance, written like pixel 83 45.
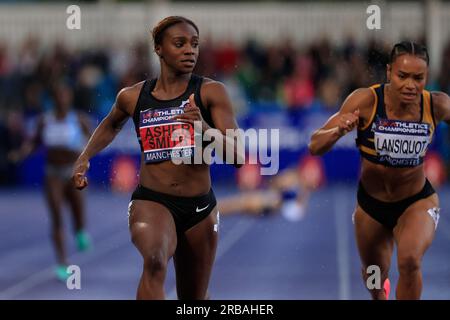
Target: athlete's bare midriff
pixel 185 180
pixel 391 184
pixel 60 156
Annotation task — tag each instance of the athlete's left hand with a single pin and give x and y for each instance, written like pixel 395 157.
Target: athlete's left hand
pixel 191 114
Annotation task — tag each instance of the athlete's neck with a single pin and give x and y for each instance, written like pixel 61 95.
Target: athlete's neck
pixel 61 114
pixel 395 105
pixel 171 83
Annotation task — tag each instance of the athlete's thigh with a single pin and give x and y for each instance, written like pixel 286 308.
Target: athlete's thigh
pixel 194 257
pixel 374 241
pixel 415 228
pixel 152 228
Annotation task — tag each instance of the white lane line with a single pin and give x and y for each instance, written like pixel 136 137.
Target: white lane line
pixel 342 214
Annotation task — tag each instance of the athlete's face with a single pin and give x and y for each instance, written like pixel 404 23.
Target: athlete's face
pixel 179 48
pixel 407 76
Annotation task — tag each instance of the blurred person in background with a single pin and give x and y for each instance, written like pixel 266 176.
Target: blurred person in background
pixel 396 202
pixel 286 193
pixel 62 131
pixel 13 134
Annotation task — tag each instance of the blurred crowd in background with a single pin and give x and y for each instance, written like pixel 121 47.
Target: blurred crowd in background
pixel 316 76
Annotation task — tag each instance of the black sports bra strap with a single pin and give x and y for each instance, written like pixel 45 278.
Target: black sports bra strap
pixel 381 108
pixel 140 101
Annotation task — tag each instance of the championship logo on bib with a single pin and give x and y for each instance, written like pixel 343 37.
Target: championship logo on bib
pixel 401 143
pixel 162 137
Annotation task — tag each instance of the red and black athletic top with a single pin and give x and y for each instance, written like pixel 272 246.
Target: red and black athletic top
pixel 160 137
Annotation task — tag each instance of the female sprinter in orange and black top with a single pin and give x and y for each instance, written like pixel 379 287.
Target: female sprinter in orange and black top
pixel 173 210
pixel 396 202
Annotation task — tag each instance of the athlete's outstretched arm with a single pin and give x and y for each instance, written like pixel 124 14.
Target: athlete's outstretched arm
pixel 441 104
pixel 354 108
pixel 105 133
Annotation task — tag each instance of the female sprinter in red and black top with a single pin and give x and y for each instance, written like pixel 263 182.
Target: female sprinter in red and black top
pixel 173 210
pixel 396 203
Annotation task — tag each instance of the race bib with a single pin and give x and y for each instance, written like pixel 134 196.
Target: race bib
pixel 162 138
pixel 401 143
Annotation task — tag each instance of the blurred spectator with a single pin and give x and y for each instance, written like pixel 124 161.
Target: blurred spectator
pixel 444 77
pixel 63 133
pixel 299 88
pixel 13 134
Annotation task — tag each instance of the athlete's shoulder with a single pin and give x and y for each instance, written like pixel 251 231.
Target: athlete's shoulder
pixel 361 98
pixel 212 90
pixel 440 98
pixel 213 86
pixel 128 96
pixel 441 105
pixel 131 92
pixel 363 95
pixel 212 83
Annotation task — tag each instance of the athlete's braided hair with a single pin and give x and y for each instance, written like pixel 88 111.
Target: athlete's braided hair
pixel 409 47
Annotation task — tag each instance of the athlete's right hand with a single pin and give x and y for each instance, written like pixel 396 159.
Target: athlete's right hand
pixel 79 173
pixel 348 122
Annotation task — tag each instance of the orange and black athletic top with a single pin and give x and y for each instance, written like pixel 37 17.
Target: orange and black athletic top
pixel 396 143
